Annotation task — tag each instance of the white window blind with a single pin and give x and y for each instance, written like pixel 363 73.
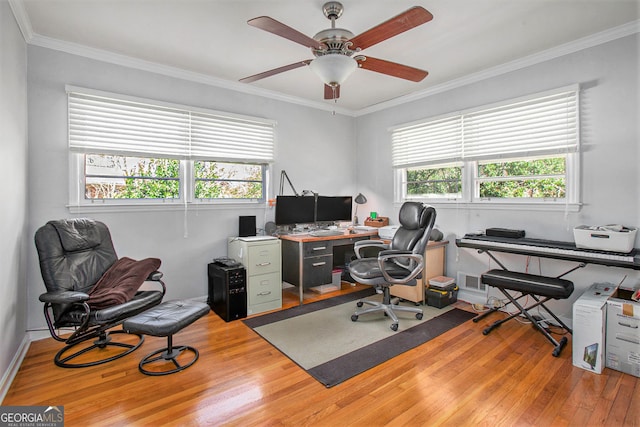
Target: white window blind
pixel 232 139
pixel 104 124
pixel 429 142
pixel 538 125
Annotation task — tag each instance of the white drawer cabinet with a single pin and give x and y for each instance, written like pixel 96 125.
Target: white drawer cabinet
pixel 262 259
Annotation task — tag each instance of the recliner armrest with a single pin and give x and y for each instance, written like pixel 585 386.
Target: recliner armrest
pixel 155 276
pixel 63 297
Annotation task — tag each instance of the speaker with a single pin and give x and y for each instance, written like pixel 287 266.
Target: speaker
pixel 247 226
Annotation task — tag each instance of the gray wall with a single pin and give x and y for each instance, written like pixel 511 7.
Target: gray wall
pixel 13 214
pixel 608 75
pixel 315 148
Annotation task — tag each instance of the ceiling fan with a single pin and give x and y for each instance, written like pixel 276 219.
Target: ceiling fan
pixel 334 48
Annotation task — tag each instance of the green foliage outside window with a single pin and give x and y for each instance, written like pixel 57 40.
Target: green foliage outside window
pixel 518 179
pixel 438 182
pixel 163 182
pixel 122 177
pixel 216 180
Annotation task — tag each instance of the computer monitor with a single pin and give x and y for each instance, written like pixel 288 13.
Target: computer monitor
pixel 292 210
pixel 334 208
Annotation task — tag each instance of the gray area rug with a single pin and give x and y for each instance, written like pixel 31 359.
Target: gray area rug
pixel 321 338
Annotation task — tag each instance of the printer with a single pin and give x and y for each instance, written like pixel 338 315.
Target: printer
pixel 388 231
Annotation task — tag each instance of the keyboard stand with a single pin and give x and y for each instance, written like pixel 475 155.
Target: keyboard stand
pixel 540 288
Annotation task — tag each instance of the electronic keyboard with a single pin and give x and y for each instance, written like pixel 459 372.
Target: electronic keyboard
pixel 550 249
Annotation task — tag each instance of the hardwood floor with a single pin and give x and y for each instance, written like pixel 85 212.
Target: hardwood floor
pixel 508 378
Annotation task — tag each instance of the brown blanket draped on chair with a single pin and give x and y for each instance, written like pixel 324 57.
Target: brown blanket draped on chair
pixel 121 281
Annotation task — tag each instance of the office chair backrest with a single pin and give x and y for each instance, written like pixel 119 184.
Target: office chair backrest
pixel 73 254
pixel 416 222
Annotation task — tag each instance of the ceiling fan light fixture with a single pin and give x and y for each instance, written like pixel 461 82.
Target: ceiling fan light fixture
pixel 334 68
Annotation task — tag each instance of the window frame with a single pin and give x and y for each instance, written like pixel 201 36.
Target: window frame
pixel 470 196
pixel 264 158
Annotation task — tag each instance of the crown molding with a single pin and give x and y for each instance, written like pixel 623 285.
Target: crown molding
pixel 17 6
pixel 555 52
pixel 20 13
pixel 154 67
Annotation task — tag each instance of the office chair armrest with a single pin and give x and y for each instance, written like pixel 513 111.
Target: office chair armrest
pixel 395 256
pixel 63 297
pixel 361 245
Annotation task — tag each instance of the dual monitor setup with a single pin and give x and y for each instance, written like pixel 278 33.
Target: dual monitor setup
pixel 294 210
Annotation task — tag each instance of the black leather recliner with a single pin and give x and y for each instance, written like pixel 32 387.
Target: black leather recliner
pixel 399 263
pixel 74 254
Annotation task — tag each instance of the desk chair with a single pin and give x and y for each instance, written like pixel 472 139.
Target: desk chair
pixel 399 263
pixel 75 255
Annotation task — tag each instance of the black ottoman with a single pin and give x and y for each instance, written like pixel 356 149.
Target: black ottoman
pixel 164 320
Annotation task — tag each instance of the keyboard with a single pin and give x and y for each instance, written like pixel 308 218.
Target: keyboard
pixel 326 233
pixel 551 249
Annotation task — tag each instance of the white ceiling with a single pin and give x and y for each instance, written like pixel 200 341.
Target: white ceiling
pixel 210 39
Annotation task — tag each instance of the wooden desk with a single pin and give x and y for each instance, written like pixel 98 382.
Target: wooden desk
pixel 433 266
pixel 308 261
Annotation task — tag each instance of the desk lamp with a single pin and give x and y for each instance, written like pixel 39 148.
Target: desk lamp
pixel 360 199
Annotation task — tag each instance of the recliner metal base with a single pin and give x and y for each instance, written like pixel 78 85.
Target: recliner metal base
pixel 169 353
pixel 103 341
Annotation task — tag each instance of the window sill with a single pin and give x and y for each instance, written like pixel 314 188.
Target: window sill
pixel 156 207
pixel 492 205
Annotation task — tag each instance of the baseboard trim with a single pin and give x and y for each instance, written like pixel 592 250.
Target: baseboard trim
pixel 14 366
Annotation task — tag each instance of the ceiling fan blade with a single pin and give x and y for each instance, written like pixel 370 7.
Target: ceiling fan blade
pixel 399 24
pixel 329 92
pixel 275 71
pixel 392 69
pixel 278 28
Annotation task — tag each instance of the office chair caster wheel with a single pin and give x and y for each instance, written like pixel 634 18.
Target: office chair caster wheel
pixel 359 304
pixel 354 317
pixel 419 316
pixel 394 327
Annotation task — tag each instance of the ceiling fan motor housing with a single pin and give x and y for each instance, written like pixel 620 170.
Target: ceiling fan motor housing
pixel 336 40
pixel 333 10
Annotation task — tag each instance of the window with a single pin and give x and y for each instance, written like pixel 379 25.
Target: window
pixel 521 151
pixel 134 151
pixel 543 178
pixel 215 180
pixel 445 181
pixel 121 177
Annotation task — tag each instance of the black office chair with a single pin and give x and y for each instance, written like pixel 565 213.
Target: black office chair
pixel 74 256
pixel 399 263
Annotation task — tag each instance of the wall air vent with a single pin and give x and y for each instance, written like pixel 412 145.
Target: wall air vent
pixel 471 283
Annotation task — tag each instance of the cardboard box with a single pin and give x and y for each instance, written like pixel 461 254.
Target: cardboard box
pixel 589 327
pixel 623 333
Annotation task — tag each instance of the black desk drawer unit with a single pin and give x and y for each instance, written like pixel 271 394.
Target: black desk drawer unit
pixel 317 270
pixel 312 249
pixel 314 261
